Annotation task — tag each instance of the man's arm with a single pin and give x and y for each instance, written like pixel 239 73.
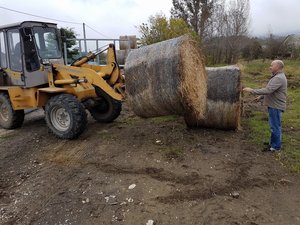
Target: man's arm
pixel 272 86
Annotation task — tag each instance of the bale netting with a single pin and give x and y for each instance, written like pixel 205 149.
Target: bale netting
pixel 223 109
pixel 167 78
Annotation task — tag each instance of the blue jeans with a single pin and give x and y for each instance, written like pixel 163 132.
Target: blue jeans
pixel 275 125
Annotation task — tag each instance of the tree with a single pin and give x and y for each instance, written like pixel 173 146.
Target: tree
pixel 69 37
pixel 252 50
pixel 256 49
pixel 236 27
pixel 196 13
pixel 159 28
pixel 229 27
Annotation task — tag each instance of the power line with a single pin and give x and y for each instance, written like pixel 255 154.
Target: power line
pixel 64 21
pixel 29 14
pixel 97 31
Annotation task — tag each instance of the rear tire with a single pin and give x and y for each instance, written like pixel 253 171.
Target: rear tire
pixel 107 109
pixel 9 118
pixel 65 116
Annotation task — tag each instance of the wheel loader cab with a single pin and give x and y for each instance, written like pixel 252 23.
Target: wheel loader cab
pixel 24 48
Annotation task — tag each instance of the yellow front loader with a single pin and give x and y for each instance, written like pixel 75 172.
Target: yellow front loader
pixel 33 75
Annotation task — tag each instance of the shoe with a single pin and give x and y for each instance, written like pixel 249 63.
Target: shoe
pixel 267 146
pixel 266 149
pixel 270 149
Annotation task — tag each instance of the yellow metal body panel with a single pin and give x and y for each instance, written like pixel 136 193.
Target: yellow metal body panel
pixel 43 94
pixel 14 75
pixel 22 98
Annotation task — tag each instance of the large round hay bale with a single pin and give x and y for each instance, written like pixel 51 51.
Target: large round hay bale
pixel 223 108
pixel 128 42
pixel 167 78
pixel 121 56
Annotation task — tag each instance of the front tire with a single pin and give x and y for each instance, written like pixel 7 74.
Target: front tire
pixel 9 118
pixel 107 109
pixel 65 116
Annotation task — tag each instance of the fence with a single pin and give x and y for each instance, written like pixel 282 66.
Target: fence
pixel 123 45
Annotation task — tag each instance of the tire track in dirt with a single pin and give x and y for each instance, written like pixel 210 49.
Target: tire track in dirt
pixel 238 180
pixel 155 173
pixel 203 187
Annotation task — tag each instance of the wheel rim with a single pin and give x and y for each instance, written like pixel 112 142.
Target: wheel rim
pixel 60 118
pixel 4 115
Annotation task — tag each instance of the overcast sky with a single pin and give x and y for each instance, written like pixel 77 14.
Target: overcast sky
pixel 113 18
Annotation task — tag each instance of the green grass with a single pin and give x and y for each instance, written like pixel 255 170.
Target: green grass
pixel 129 120
pixel 5 136
pixel 255 74
pixel 259 127
pixel 105 135
pixel 172 153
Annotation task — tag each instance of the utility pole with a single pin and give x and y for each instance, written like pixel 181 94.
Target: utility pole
pixel 84 36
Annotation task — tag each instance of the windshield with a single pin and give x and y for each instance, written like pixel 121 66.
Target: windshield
pixel 47 42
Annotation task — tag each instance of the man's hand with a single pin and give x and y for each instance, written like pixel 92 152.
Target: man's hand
pixel 246 89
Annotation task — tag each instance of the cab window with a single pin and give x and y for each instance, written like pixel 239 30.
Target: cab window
pixel 3 62
pixel 30 52
pixel 14 49
pixel 47 42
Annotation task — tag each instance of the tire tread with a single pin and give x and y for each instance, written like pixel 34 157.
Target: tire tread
pixel 17 116
pixel 78 116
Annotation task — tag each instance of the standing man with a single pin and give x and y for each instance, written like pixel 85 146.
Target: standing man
pixel 274 95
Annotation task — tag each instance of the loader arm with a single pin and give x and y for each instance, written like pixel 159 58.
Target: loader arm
pixel 110 72
pixel 91 77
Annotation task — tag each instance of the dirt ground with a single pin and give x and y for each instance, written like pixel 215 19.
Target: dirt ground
pixel 135 171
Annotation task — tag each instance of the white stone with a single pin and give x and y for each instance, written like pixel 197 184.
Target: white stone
pixel 150 222
pixel 132 186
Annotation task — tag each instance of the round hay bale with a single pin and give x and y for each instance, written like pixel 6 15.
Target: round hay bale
pixel 223 109
pixel 121 56
pixel 167 78
pixel 128 42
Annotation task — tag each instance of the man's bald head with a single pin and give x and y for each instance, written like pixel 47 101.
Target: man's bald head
pixel 279 63
pixel 277 66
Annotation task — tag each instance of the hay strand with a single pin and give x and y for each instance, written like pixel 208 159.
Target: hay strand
pixel 121 56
